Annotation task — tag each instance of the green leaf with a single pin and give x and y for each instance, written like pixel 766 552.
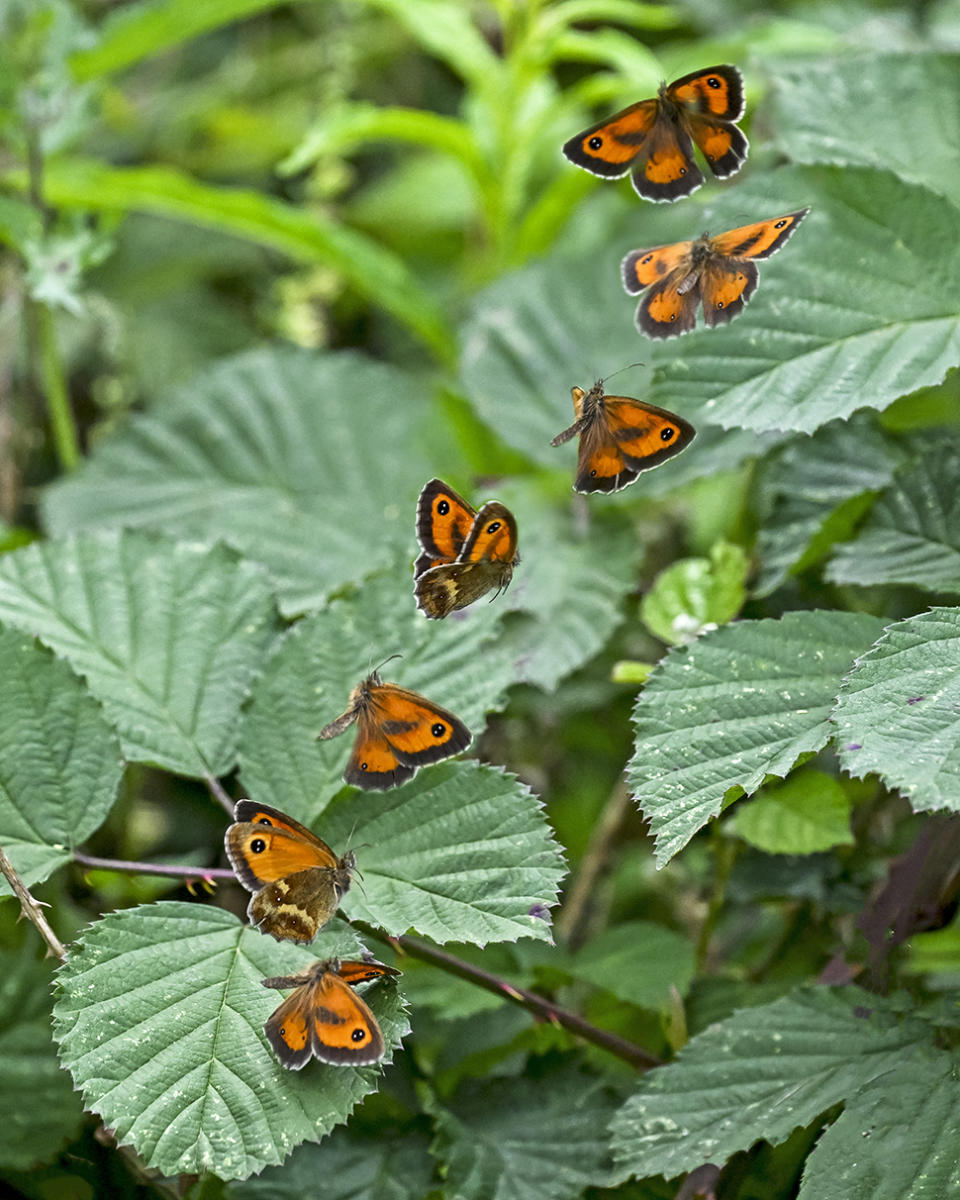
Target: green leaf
pixel 695 594
pixel 459 663
pixel 526 1139
pixel 305 236
pixel 912 535
pixel 444 28
pixel 159 1016
pixel 20 223
pixel 805 814
pixel 169 645
pixel 61 761
pixel 914 125
pixel 133 33
pixel 896 1140
pixel 637 961
pixel 807 486
pixel 390 1166
pixel 898 714
pixel 271 452
pixel 462 852
pixel 38 1106
pixel 759 1074
pixel 826 332
pixel 575 570
pixel 738 704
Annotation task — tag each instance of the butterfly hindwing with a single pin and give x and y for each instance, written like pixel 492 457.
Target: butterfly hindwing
pixel 668 170
pixel 666 311
pixel 721 144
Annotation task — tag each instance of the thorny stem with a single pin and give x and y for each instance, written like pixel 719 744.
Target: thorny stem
pixel 31 908
pixel 540 1006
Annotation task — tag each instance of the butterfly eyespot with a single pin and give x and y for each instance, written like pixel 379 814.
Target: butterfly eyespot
pixel 683 170
pixel 595 142
pixel 264 821
pixel 779 224
pixel 593 474
pixel 493 527
pixel 673 316
pixel 438 730
pixel 443 508
pixel 364 767
pixel 719 304
pixel 257 846
pixel 644 261
pixel 666 435
pixel 358 1035
pixel 713 82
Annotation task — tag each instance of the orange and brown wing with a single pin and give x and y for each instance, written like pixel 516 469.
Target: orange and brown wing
pixel 262 851
pixel 670 307
pixel 288 1028
pixel 343 1029
pixel 354 971
pixel 493 535
pixel 640 268
pixel 609 147
pixel 759 240
pixel 444 521
pixel 417 730
pixel 725 286
pixel 668 170
pixel 713 91
pixel 722 144
pixel 645 435
pixel 374 764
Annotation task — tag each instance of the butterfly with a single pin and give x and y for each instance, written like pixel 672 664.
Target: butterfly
pixel 325 1016
pixel 619 438
pixel 296 879
pixel 465 552
pixel 717 270
pixel 398 731
pixel 701 107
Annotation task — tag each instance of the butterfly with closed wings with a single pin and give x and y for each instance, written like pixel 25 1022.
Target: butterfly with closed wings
pixel 657 135
pixel 296 879
pixel 465 553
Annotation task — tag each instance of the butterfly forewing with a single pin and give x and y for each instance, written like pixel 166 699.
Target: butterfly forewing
pixel 609 147
pixel 759 240
pixel 444 521
pixel 714 90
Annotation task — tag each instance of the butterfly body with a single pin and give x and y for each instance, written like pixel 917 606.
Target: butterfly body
pixel 397 732
pixel 619 438
pixel 324 1017
pixel 465 553
pixel 718 271
pixel 296 878
pixel 656 137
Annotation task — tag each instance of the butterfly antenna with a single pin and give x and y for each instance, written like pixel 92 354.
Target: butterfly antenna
pixel 620 371
pixel 385 661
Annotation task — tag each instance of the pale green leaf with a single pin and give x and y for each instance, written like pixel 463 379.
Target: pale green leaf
pixel 462 852
pixel 738 704
pixel 389 1166
pixel 820 111
pixel 20 223
pixel 271 452
pixel 898 714
pixel 912 535
pixel 526 1139
pixel 460 663
pixel 637 961
pixel 896 1140
pixel 694 594
pixel 807 486
pixel 307 236
pixel 759 1074
pixel 167 635
pixel 807 813
pixel 38 1107
pixel 159 1016
pixel 445 29
pixel 61 761
pixel 576 567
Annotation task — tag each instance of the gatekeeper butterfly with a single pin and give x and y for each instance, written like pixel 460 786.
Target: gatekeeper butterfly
pixel 325 1016
pixel 657 134
pixel 397 732
pixel 717 270
pixel 296 879
pixel 465 552
pixel 619 438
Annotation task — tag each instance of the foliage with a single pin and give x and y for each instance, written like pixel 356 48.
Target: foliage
pixel 268 268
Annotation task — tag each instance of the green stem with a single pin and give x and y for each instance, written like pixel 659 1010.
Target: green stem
pixel 725 853
pixel 65 437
